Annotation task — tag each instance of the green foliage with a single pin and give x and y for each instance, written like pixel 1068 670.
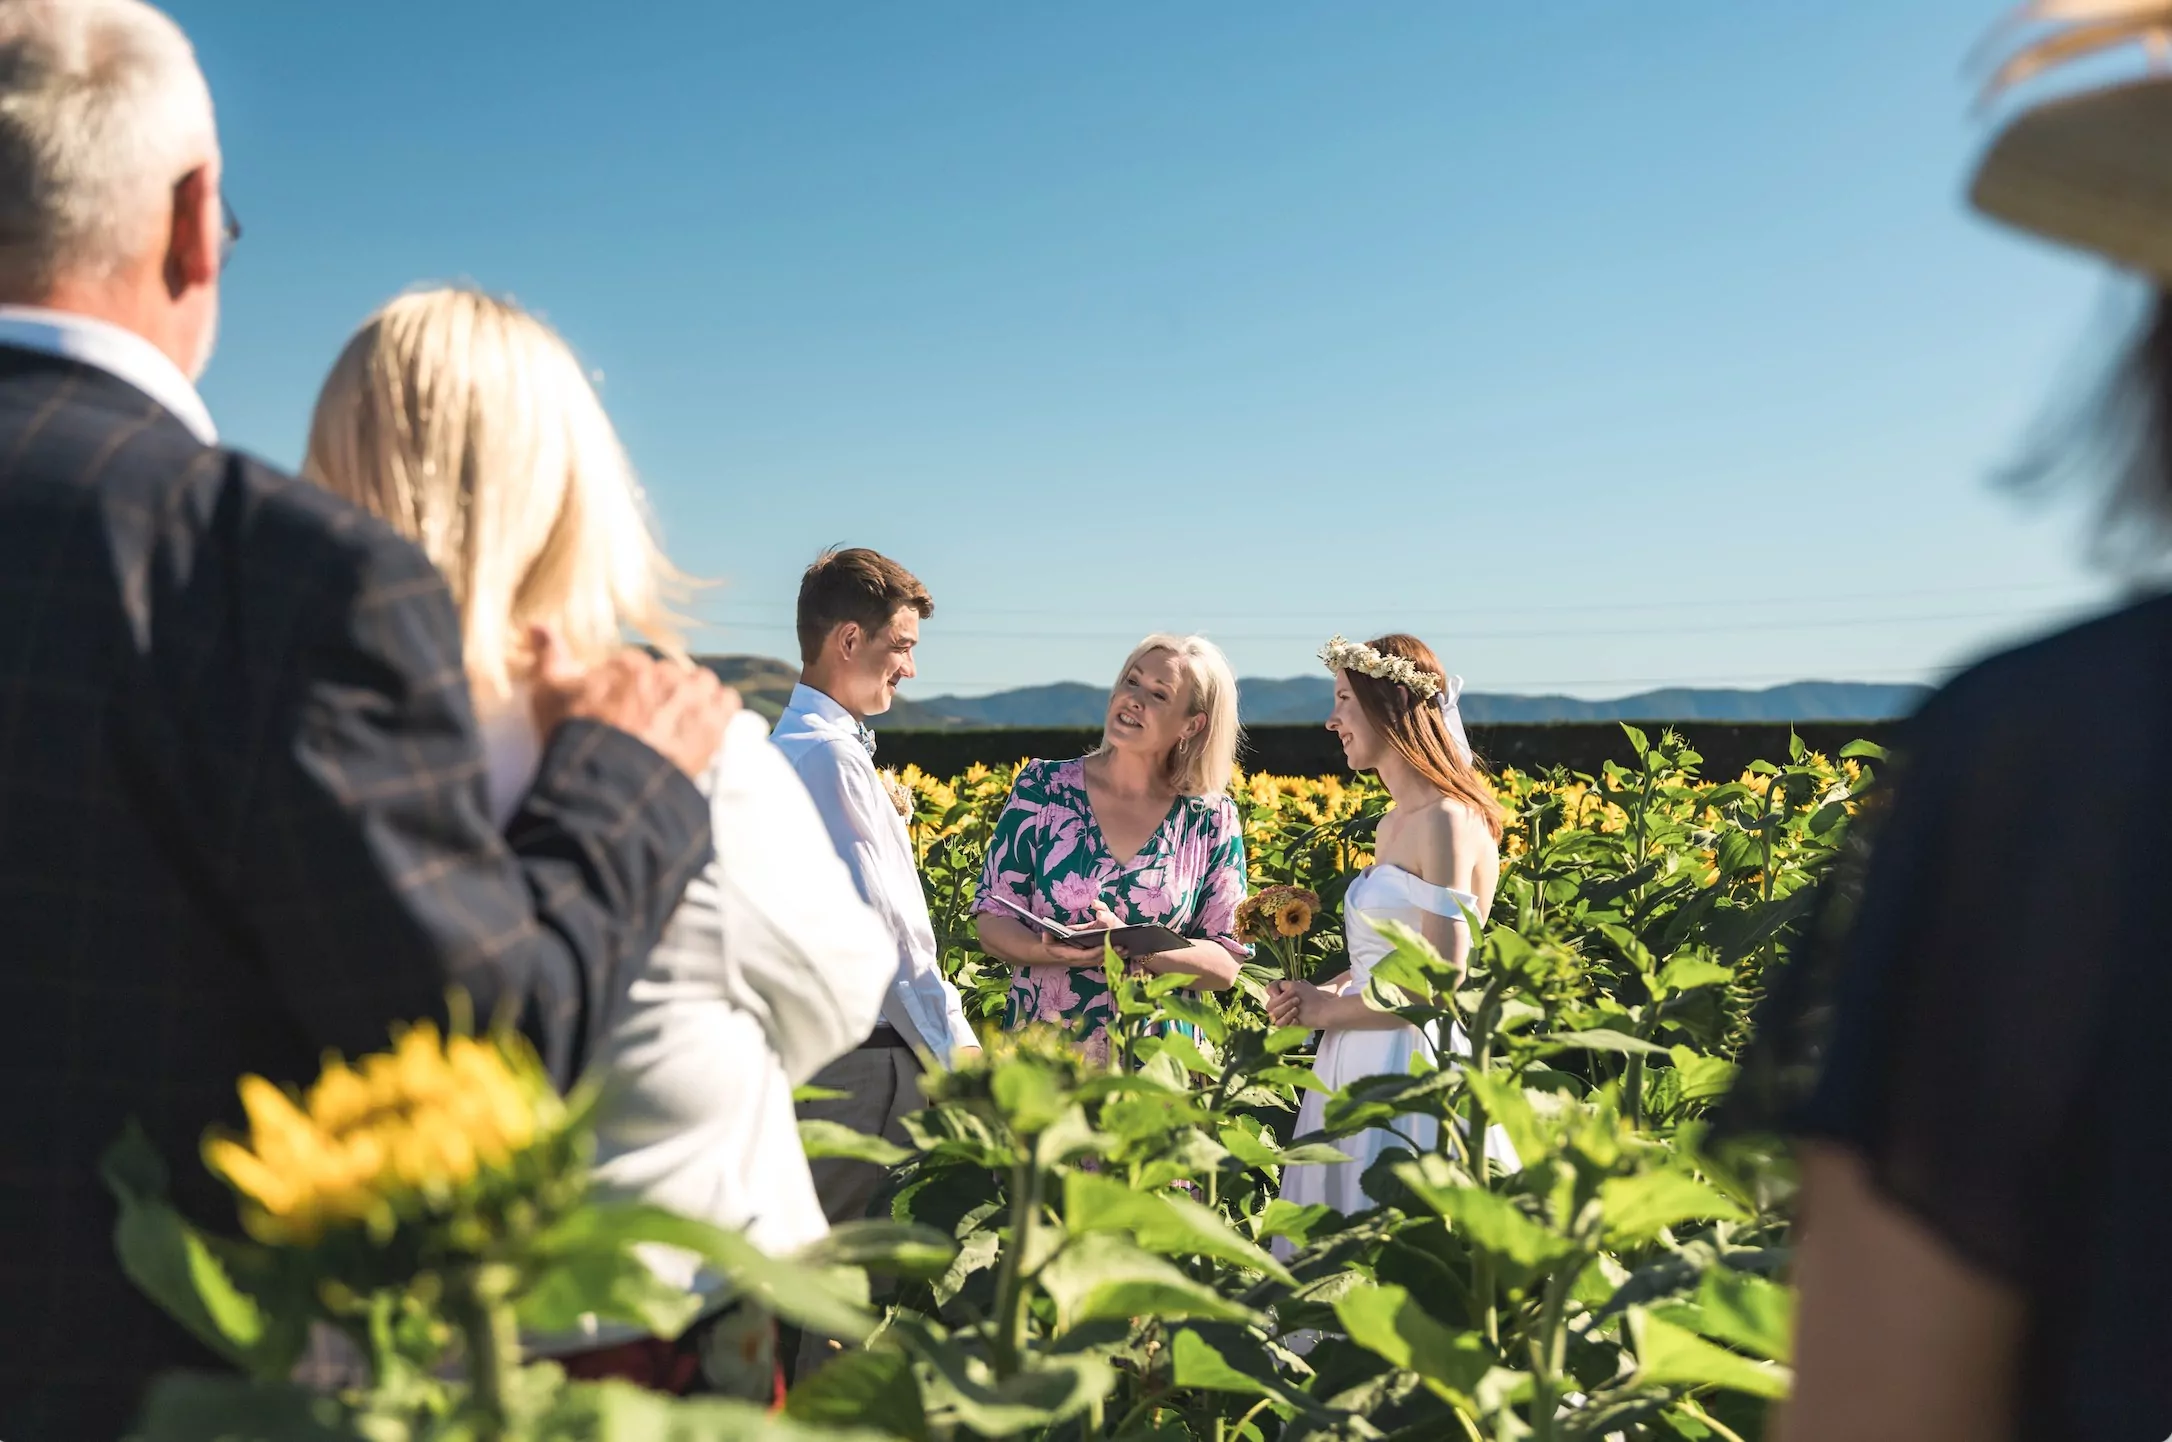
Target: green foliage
pixel 1075 1252
pixel 1112 1277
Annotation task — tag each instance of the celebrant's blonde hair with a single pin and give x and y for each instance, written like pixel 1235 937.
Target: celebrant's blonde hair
pixel 468 424
pixel 1202 765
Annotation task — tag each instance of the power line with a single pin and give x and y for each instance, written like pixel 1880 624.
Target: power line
pixel 1596 607
pixel 1654 631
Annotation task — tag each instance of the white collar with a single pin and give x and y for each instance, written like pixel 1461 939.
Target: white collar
pixel 819 711
pixel 120 353
pixel 818 705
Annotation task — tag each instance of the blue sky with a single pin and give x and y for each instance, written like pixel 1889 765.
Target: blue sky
pixel 1602 345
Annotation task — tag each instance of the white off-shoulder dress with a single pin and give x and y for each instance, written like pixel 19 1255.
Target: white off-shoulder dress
pixel 1380 893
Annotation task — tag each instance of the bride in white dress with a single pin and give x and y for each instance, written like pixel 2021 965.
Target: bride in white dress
pixel 1437 863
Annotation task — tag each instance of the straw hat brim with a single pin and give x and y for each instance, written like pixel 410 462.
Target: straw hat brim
pixel 2092 170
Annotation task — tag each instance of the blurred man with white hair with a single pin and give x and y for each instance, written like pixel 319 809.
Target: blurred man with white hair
pixel 243 813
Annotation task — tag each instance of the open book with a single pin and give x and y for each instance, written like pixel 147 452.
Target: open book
pixel 1128 940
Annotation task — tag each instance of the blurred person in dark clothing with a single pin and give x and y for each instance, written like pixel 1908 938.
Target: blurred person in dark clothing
pixel 1969 1046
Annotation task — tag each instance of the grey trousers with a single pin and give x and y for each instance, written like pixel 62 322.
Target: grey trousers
pixel 883 1086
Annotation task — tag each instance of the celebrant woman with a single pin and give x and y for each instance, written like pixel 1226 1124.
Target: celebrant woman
pixel 1141 831
pixel 1437 863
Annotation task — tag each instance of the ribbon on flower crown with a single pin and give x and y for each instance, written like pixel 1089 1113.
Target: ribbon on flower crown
pixel 1447 698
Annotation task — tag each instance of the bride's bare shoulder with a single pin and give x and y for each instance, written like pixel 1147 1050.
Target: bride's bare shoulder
pixel 1448 836
pixel 1451 817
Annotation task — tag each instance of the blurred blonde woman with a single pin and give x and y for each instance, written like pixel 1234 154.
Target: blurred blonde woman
pixel 1140 831
pixel 468 425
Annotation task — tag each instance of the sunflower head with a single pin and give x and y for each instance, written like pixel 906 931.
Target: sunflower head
pixel 398 1134
pixel 1282 911
pixel 1293 915
pixel 1248 919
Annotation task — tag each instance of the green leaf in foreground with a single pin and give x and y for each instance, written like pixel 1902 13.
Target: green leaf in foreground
pixel 170 1260
pixel 794 1291
pixel 874 1389
pixel 879 1245
pixel 1101 1276
pixel 1602 1040
pixel 964 1391
pixel 205 1407
pixel 622 1412
pixel 1221 1359
pixel 1284 1218
pixel 834 1139
pixel 1668 1355
pixel 610 1282
pixel 1745 1309
pixel 1488 1220
pixel 1637 1207
pixel 1384 1320
pixel 1165 1222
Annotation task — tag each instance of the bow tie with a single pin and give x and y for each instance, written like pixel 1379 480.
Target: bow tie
pixel 867 737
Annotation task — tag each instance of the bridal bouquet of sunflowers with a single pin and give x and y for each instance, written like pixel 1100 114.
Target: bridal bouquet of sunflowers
pixel 1277 918
pixel 428 1205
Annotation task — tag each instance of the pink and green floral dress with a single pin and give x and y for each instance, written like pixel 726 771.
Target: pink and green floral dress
pixel 1049 857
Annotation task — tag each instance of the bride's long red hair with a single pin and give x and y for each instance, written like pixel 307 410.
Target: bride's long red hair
pixel 1415 727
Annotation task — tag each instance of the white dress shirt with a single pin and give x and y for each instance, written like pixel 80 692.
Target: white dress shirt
pixel 120 353
pixel 770 969
pixel 829 749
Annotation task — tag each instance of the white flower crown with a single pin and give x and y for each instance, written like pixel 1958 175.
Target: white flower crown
pixel 1345 655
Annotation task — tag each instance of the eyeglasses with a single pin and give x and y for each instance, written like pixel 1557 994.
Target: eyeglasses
pixel 229 231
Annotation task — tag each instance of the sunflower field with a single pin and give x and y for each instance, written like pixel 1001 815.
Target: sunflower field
pixel 1071 1252
pixel 1123 1267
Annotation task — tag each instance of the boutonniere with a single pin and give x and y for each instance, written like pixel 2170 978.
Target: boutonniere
pixel 901 795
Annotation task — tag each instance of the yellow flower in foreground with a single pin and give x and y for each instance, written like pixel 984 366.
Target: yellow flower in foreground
pixel 369 1141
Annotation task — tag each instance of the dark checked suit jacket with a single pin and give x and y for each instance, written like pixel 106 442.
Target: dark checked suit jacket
pixel 242 820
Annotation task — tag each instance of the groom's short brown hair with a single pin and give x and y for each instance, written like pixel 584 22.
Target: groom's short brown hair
pixel 854 585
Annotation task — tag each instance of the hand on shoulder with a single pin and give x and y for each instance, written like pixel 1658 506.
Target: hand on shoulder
pixel 679 711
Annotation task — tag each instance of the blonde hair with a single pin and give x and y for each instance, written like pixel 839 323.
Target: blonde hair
pixel 102 109
pixel 467 423
pixel 1205 764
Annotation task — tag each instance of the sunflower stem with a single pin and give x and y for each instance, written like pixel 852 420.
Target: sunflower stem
pixel 479 1307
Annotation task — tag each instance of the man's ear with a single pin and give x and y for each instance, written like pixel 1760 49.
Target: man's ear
pixel 194 239
pixel 847 639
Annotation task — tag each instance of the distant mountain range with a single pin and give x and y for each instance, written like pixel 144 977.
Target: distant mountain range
pixel 1306 700
pixel 767 685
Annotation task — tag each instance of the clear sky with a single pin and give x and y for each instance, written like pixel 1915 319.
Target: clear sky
pixel 1602 345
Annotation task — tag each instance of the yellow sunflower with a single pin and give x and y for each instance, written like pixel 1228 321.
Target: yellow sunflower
pixel 1285 911
pixel 365 1141
pixel 1247 923
pixel 1294 916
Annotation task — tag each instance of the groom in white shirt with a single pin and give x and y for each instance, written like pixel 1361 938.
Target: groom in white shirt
pixel 859 619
